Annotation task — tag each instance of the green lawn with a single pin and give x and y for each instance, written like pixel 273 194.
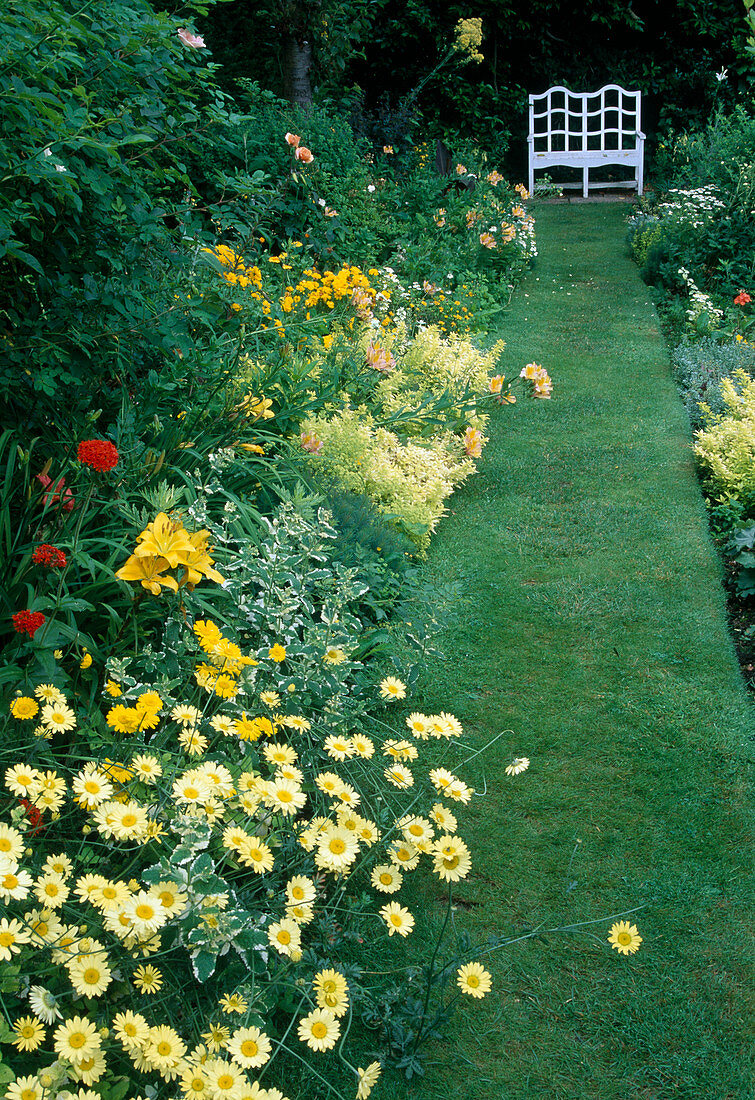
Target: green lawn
pixel 589 621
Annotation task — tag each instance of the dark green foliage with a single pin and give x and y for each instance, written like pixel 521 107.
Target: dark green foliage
pixel 101 107
pixel 670 52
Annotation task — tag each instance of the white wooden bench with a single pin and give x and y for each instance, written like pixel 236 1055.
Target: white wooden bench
pixel 585 130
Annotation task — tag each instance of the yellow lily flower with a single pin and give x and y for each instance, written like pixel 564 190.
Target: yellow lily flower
pixel 197 562
pixel 149 572
pixel 164 538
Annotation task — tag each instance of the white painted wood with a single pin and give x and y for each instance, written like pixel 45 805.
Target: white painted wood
pixel 585 130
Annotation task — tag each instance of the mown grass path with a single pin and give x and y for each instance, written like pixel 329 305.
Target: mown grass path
pixel 589 620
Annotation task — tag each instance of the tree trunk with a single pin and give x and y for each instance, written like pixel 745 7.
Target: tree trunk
pixel 297 59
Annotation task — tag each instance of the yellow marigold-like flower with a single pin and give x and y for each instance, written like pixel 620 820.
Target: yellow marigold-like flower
pixel 625 937
pixel 368 1078
pixel 474 979
pixel 277 653
pixel 148 979
pixel 29 1033
pixel 123 719
pixel 319 1029
pixel 225 686
pixel 397 918
pixel 391 688
pixel 24 707
pixel 208 633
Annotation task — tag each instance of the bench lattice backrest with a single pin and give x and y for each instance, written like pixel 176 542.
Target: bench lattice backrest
pixel 585 121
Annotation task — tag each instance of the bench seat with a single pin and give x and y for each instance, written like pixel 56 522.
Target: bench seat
pixel 585 130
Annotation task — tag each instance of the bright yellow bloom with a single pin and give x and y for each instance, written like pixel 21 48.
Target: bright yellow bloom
pixel 250 1047
pixel 233 1002
pixel 391 688
pixel 76 1039
pixel 319 1029
pixel 277 653
pixel 625 937
pixel 397 918
pixel 164 538
pixel 150 572
pixel 197 561
pixel 474 979
pixel 24 707
pixel 30 1033
pixel 148 979
pixel 367 1079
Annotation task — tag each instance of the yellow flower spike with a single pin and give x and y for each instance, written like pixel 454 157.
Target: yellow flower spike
pixel 164 538
pixel 149 571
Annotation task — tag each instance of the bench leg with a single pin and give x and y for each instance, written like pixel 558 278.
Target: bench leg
pixel 531 180
pixel 585 179
pixel 640 181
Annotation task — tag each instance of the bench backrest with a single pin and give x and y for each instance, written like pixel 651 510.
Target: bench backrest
pixel 561 120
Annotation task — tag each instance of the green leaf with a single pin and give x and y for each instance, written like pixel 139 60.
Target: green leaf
pixel 203 965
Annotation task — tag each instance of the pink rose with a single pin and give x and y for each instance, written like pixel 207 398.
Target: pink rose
pixel 189 39
pixel 304 154
pixel 293 139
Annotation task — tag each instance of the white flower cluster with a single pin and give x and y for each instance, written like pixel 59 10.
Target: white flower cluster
pixel 699 302
pixel 694 207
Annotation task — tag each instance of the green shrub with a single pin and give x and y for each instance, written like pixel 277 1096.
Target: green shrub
pixel 101 107
pixel 699 368
pixel 725 447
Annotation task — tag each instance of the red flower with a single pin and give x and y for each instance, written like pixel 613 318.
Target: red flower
pixel 28 622
pixel 34 816
pixel 100 454
pixel 56 492
pixel 50 556
pixel 742 299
